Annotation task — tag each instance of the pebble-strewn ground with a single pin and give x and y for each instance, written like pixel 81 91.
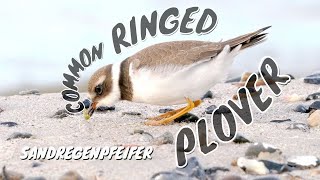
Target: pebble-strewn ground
pixel 32 113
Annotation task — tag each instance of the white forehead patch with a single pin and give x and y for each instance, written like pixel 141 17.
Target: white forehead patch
pixel 100 80
pixel 115 94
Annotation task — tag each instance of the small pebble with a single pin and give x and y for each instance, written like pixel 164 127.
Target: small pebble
pixel 252 166
pixel 274 167
pixel 266 178
pixel 17 135
pixel 313 96
pixel 146 136
pixel 231 177
pixel 281 121
pixel 35 178
pixel 60 114
pixel 223 110
pixel 301 108
pixel 138 131
pixel 314 119
pixel 86 103
pixel 35 164
pixel 131 113
pixel 1 110
pixel 255 149
pixel 192 170
pixel 312 79
pixel 210 109
pixel 208 95
pixel 10 175
pixel 165 110
pixel 239 139
pixel 213 170
pixel 301 126
pixel 303 162
pixel 166 138
pixel 71 175
pixel 106 108
pixel 188 117
pixel 28 92
pixel 168 176
pixel 9 124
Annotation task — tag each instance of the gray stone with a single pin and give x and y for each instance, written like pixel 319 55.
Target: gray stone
pixel 131 113
pixel 239 139
pixel 210 109
pixel 86 103
pixel 35 178
pixel 35 164
pixel 313 96
pixel 312 79
pixel 300 126
pixel 301 108
pixel 60 114
pixel 106 108
pixel 9 124
pixel 314 106
pixel 192 171
pixel 166 138
pixel 255 149
pixel 28 92
pixel 275 167
pixel 266 178
pixel 208 95
pixel 17 135
pixel 281 121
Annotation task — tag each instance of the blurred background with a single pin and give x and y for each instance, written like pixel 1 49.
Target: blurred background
pixel 39 38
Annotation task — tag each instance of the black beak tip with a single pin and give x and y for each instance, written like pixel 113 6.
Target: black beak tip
pixel 91 111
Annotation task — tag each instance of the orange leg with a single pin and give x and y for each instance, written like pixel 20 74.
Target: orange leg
pixel 172 115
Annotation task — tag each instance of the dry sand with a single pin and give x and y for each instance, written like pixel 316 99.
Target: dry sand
pixel 32 113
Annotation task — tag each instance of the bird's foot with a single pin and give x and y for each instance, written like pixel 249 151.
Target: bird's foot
pixel 172 115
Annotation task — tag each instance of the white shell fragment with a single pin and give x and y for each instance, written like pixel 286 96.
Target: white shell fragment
pixel 252 166
pixel 303 161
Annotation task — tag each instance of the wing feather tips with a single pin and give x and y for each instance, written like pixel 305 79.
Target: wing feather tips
pixel 248 40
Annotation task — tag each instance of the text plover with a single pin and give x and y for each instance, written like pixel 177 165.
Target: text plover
pixel 168 73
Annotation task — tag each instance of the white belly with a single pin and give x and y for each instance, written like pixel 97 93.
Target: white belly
pixel 170 85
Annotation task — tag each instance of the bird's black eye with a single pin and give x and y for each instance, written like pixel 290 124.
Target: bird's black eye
pixel 98 89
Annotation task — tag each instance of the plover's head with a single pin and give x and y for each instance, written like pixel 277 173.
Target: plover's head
pixel 103 87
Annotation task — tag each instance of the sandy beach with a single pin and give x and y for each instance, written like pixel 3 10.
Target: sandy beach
pixel 32 113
